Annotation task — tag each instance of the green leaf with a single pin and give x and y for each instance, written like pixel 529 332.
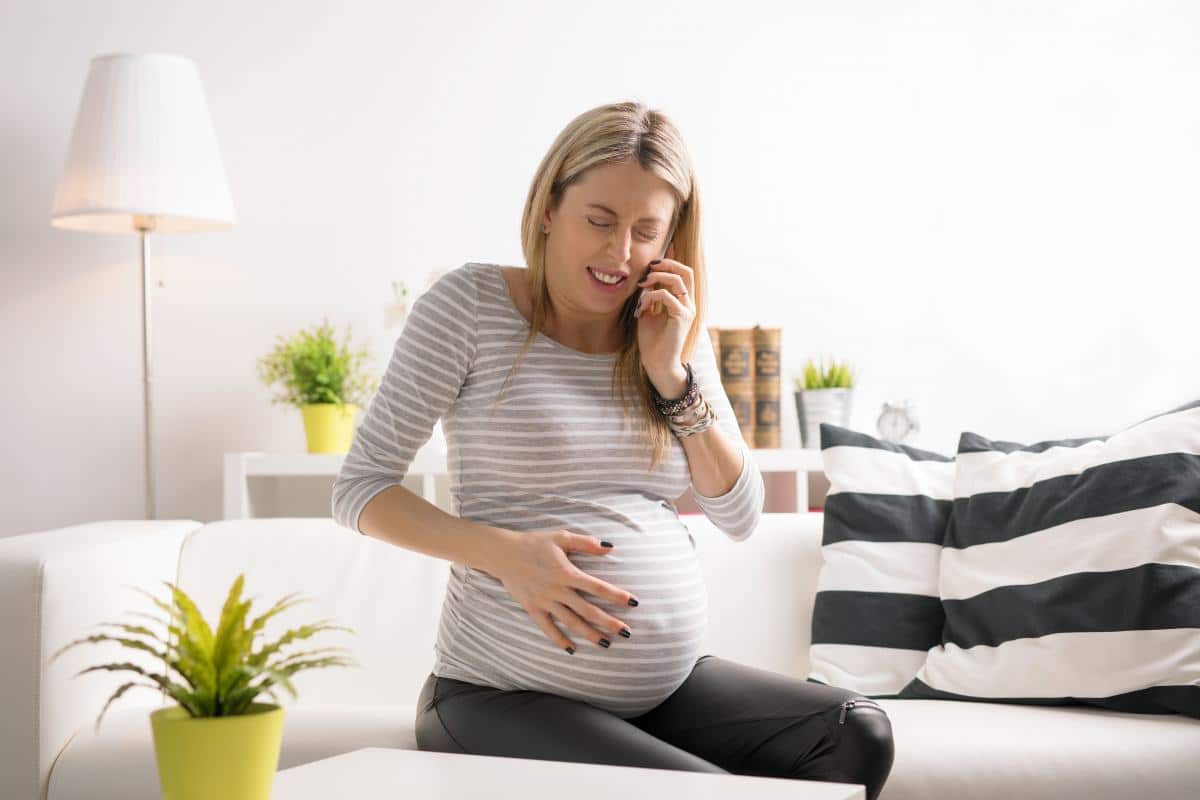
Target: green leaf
pixel 292 669
pixel 135 644
pixel 231 642
pixel 283 604
pixel 120 691
pixel 179 693
pixel 310 653
pixel 303 632
pixel 221 673
pixel 197 629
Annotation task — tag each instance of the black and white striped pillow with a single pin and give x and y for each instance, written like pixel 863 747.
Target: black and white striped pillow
pixel 1071 572
pixel 877 612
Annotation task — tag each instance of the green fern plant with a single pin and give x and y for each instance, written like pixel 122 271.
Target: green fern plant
pixel 833 375
pixel 221 671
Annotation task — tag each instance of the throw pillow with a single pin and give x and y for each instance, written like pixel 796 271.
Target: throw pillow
pixel 1071 572
pixel 876 612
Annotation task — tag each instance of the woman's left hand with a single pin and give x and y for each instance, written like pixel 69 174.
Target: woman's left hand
pixel 661 336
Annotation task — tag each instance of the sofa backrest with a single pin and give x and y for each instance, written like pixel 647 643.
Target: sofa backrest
pixel 760 596
pixel 57 586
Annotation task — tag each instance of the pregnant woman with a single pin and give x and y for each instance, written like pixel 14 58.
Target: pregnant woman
pixel 580 396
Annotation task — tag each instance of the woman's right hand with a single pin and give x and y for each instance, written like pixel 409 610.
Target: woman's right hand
pixel 535 570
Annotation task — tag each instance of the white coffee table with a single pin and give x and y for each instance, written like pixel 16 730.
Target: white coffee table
pixel 381 772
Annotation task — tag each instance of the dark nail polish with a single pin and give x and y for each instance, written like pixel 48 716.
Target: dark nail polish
pixel 605 544
pixel 625 632
pixel 570 650
pixel 656 261
pixel 633 601
pixel 604 642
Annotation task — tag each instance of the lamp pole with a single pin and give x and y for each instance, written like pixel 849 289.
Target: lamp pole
pixel 144 226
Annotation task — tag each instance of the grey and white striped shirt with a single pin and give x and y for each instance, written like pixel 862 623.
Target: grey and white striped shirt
pixel 555 453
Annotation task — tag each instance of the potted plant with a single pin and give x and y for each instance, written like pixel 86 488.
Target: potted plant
pixel 823 394
pixel 324 379
pixel 217 740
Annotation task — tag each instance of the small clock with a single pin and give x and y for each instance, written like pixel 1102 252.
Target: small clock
pixel 898 421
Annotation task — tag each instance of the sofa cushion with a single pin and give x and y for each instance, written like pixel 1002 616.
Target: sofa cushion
pixel 876 612
pixel 995 751
pixel 1071 573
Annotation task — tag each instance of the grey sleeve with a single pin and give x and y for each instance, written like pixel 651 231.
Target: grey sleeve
pixel 737 512
pixel 429 363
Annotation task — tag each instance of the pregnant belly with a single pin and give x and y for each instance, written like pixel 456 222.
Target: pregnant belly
pixel 501 645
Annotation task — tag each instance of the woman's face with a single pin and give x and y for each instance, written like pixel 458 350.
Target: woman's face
pixel 616 219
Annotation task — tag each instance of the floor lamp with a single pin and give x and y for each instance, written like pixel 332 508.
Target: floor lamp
pixel 143 159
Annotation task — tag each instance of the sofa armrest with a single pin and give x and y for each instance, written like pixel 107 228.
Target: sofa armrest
pixel 55 587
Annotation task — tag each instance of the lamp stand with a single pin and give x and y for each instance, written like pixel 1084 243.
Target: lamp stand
pixel 144 226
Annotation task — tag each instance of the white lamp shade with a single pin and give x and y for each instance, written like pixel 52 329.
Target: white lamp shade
pixel 143 151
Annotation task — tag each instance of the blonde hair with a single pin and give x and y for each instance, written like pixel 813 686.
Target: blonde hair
pixel 610 134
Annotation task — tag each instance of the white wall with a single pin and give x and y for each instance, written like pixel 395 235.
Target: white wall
pixel 989 207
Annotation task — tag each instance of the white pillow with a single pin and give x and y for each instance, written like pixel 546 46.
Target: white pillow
pixel 1071 572
pixel 877 612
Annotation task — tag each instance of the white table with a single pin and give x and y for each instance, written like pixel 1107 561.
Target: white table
pixel 380 772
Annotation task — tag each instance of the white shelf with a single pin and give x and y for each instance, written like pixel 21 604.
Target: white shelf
pixel 429 464
pixel 785 459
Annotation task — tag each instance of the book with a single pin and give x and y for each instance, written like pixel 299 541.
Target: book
pixel 736 360
pixel 767 387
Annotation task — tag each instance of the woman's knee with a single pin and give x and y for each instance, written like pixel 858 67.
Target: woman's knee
pixel 866 748
pixel 430 731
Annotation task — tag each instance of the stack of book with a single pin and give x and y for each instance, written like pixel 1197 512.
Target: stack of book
pixel 749 362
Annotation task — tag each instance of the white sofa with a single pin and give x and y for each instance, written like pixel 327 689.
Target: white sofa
pixel 56 585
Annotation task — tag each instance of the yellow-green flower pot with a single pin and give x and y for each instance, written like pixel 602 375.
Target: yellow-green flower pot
pixel 329 427
pixel 203 758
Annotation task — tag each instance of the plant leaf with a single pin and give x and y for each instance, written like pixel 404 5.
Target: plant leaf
pixel 197 629
pixel 310 653
pixel 303 632
pixel 120 691
pixel 231 643
pixel 181 695
pixel 283 604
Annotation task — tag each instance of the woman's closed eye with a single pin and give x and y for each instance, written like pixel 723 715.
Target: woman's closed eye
pixel 650 237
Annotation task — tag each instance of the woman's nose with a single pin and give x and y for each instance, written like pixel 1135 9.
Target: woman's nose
pixel 621 244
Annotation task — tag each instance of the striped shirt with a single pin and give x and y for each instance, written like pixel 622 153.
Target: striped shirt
pixel 555 453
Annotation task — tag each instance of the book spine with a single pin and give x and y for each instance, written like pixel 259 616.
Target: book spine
pixel 766 387
pixel 736 359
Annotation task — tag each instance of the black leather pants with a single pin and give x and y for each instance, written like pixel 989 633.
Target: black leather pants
pixel 725 717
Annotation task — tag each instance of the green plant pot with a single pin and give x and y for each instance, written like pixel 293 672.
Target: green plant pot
pixel 232 758
pixel 328 428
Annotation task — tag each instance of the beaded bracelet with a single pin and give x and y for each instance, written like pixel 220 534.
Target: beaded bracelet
pixel 689 413
pixel 686 400
pixel 691 422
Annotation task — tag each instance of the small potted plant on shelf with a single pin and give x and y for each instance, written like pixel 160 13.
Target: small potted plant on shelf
pixel 823 394
pixel 324 379
pixel 217 741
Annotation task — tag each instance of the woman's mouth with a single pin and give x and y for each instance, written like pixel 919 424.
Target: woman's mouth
pixel 606 287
